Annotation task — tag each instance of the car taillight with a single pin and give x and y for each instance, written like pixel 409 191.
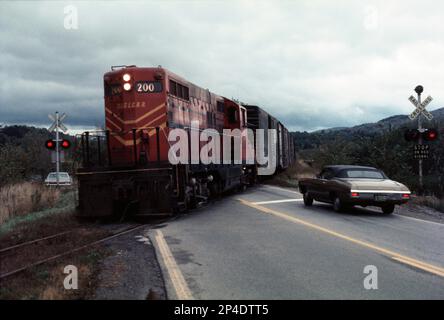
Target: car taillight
pixel 354 194
pixel 406 196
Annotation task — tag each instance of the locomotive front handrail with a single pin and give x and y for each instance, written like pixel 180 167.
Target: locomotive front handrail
pixel 104 156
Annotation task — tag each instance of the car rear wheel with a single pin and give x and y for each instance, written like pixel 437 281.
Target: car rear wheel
pixel 308 199
pixel 337 204
pixel 388 209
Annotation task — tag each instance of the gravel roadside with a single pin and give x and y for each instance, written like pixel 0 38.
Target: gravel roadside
pixel 132 271
pixel 420 212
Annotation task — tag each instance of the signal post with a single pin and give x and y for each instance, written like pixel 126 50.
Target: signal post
pixel 57 144
pixel 421 151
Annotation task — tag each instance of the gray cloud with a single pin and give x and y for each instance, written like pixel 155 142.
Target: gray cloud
pixel 314 64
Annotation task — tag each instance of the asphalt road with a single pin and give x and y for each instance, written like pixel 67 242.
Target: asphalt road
pixel 264 244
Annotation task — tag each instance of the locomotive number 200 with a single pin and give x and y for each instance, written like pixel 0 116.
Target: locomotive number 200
pixel 148 87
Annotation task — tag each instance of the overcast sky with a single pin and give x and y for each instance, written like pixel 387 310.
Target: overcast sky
pixel 312 64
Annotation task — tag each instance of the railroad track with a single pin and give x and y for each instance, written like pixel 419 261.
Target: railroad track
pixel 34 241
pixel 54 257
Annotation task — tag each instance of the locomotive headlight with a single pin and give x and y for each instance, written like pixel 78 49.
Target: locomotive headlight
pixel 126 77
pixel 127 86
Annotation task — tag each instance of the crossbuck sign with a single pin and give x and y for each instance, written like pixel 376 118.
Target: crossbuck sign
pixel 57 124
pixel 420 108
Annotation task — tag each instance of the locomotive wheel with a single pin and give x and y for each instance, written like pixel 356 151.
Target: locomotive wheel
pixel 215 189
pixel 190 199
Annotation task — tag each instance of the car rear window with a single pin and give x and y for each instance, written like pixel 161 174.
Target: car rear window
pixel 366 174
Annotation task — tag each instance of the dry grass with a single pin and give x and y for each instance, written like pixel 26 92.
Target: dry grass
pixel 429 201
pixel 23 198
pixel 291 176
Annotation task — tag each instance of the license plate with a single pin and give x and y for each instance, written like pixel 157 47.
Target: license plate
pixel 379 197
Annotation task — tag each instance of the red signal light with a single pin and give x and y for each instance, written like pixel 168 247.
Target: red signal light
pixel 430 135
pixel 65 144
pixel 50 144
pixel 406 196
pixel 355 194
pixel 412 135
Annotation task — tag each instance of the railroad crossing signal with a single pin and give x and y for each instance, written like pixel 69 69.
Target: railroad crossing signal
pixel 420 108
pixel 54 145
pixel 421 151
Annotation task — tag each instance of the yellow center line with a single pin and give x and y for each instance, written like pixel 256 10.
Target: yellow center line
pixel 394 255
pixel 278 201
pixel 177 279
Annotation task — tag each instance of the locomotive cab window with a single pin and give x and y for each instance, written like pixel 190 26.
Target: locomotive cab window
pixel 179 90
pixel 232 115
pixel 173 87
pixel 220 106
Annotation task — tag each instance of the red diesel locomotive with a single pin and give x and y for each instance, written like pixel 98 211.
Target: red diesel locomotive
pixel 125 168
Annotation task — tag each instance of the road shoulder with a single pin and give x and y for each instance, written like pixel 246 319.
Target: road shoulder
pixel 132 271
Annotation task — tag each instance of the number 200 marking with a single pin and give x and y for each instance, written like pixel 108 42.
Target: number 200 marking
pixel 145 87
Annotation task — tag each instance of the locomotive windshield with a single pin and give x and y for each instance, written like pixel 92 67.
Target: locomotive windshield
pixel 112 89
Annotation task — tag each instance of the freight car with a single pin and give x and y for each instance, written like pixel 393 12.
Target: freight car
pixel 126 168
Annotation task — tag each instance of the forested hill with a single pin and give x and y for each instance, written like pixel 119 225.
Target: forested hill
pixel 305 140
